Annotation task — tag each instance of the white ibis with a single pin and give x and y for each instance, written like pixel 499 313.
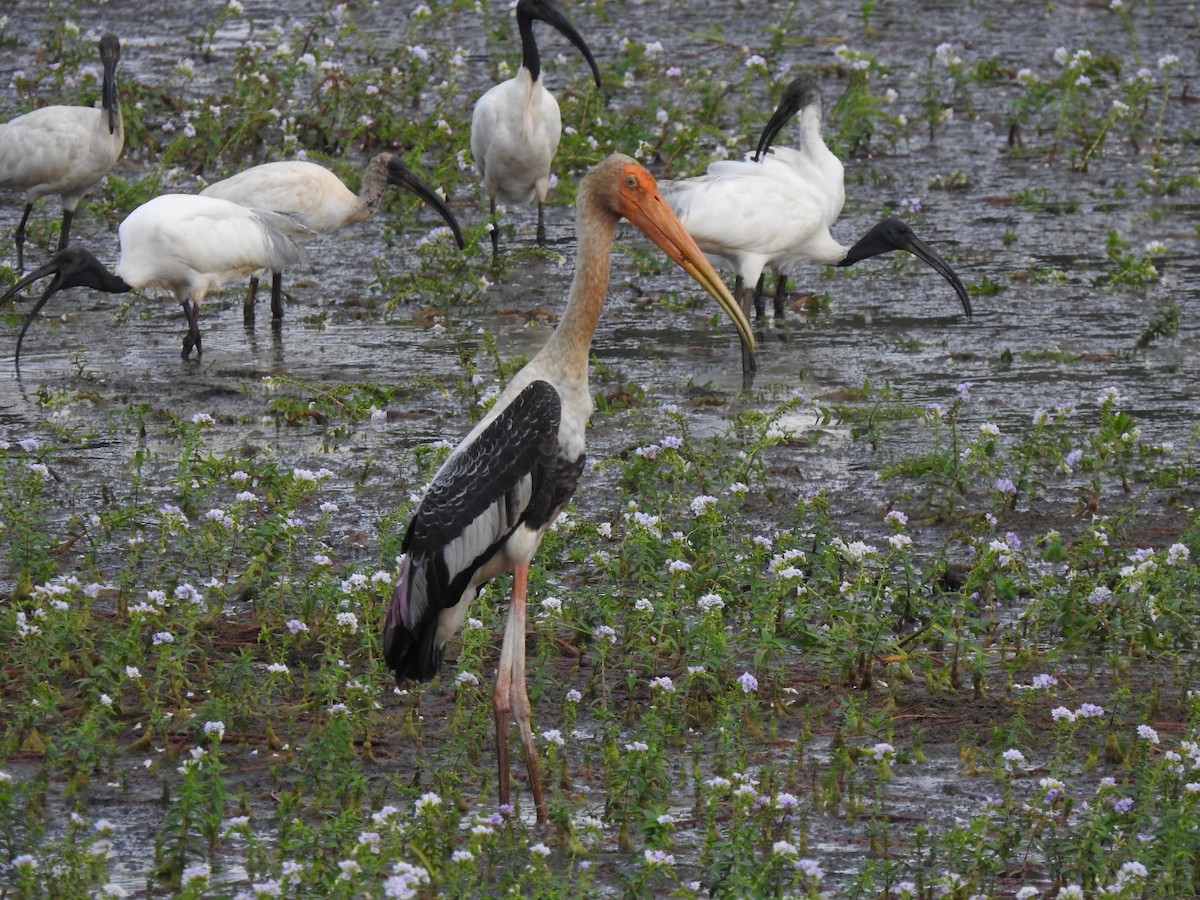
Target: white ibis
pixel 515 127
pixel 778 211
pixel 319 200
pixel 63 150
pixel 499 490
pixel 182 243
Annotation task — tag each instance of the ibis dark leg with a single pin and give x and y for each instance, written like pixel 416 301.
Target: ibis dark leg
pixel 248 305
pixel 760 305
pixel 541 232
pixel 276 295
pixel 495 226
pixel 511 697
pixel 20 238
pixel 780 295
pixel 65 232
pixel 191 312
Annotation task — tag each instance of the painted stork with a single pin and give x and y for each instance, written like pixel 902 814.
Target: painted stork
pixel 320 201
pixel 63 150
pixel 499 490
pixel 778 210
pixel 182 243
pixel 515 127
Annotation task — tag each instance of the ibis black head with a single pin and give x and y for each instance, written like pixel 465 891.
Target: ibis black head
pixel 546 11
pixel 803 91
pixel 70 267
pixel 110 53
pixel 892 234
pixel 402 176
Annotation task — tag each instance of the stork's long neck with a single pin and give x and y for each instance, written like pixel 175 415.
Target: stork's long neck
pixel 572 340
pixel 529 51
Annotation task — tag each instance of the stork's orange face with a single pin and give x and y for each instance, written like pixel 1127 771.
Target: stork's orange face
pixel 639 201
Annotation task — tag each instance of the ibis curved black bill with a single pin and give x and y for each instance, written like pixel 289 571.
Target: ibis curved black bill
pixel 546 11
pixel 402 176
pixel 892 234
pixel 70 267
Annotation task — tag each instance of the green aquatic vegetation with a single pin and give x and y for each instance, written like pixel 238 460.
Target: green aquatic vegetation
pixel 705 660
pixel 1128 268
pixel 859 114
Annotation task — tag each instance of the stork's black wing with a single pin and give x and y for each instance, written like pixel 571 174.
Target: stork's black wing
pixel 485 490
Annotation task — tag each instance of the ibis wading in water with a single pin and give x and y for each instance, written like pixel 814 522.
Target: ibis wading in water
pixel 778 210
pixel 515 127
pixel 497 493
pixel 182 243
pixel 63 150
pixel 319 200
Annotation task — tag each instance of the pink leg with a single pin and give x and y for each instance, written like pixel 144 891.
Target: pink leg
pixel 510 696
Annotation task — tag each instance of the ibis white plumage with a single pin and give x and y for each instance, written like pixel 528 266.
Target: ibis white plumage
pixel 487 507
pixel 63 150
pixel 516 125
pixel 319 200
pixel 182 243
pixel 778 210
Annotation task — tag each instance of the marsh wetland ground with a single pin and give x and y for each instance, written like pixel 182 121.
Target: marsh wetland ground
pixel 912 615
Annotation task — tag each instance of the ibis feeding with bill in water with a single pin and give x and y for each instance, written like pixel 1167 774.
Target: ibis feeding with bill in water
pixel 182 243
pixel 778 210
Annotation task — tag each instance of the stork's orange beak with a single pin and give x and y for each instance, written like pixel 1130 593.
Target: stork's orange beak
pixel 642 204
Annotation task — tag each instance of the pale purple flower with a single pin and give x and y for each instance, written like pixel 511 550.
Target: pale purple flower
pixel 659 858
pixel 810 868
pixel 1005 486
pixel 748 682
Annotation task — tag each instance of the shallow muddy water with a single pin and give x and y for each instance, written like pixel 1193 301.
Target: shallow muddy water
pixel 1037 343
